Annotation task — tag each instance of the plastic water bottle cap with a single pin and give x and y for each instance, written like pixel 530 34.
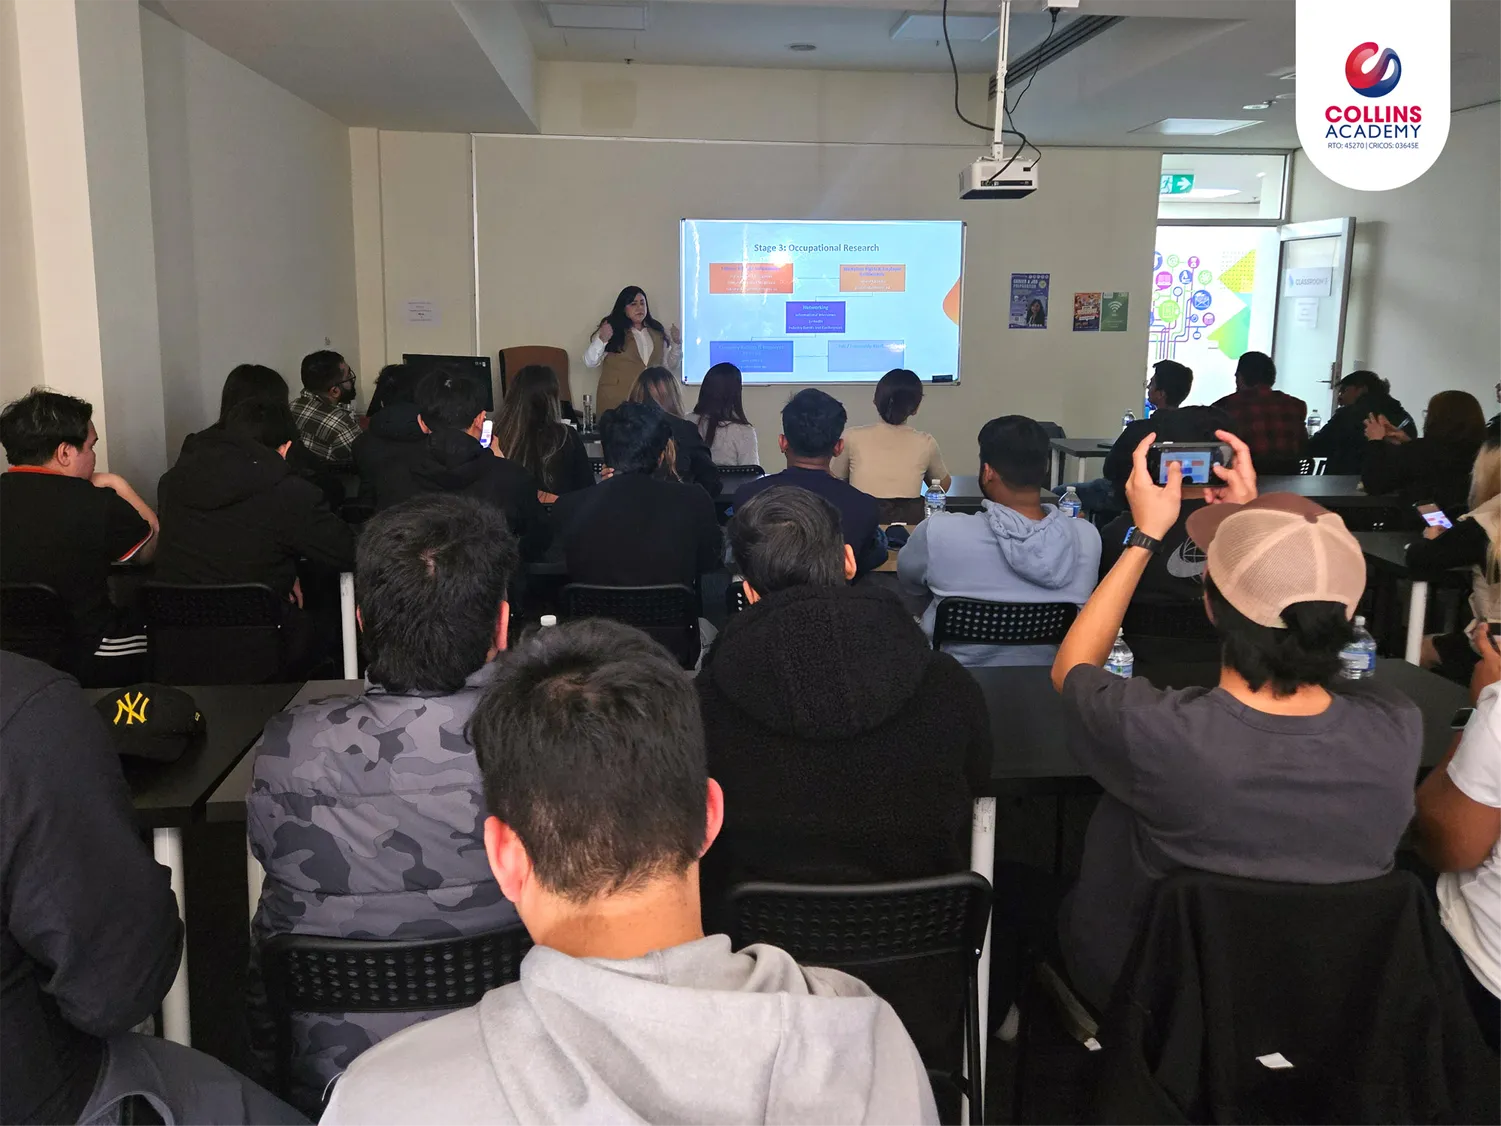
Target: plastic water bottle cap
pixel 1360 621
pixel 549 620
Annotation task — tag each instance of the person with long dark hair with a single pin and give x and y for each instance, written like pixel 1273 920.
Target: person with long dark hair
pixel 531 432
pixel 627 342
pixel 691 460
pixel 720 418
pixel 889 458
pixel 1433 469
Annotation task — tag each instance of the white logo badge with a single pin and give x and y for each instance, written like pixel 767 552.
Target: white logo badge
pixel 1373 89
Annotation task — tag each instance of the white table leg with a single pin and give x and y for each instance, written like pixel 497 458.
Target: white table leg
pixel 982 860
pixel 166 846
pixel 255 876
pixel 1417 617
pixel 346 624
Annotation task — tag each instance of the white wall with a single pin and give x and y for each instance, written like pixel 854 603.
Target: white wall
pixel 20 326
pixel 253 222
pixel 1427 272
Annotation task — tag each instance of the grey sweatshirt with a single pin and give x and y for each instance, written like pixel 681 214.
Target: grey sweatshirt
pixel 694 1033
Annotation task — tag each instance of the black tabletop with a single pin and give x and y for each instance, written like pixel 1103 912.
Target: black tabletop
pixel 227 800
pixel 1031 744
pixel 1388 550
pixel 172 795
pixel 1340 491
pixel 1083 447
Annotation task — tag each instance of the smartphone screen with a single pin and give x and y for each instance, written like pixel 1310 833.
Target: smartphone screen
pixel 485 431
pixel 1434 516
pixel 1194 464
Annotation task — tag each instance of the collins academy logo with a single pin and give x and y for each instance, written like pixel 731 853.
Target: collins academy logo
pixel 1369 117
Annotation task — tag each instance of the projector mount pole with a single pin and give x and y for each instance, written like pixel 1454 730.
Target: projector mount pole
pixel 1003 37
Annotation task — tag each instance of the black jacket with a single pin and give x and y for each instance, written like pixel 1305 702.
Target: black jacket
pixel 232 511
pixel 1342 438
pixel 694 461
pixel 392 442
pixel 450 461
pixel 1422 471
pixel 569 469
pixel 89 934
pixel 638 530
pixel 1352 984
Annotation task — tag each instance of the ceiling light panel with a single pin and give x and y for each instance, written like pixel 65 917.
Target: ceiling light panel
pixel 928 27
pixel 597 17
pixel 1195 126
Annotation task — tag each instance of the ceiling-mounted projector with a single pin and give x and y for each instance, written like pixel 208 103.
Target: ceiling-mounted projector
pixel 998 176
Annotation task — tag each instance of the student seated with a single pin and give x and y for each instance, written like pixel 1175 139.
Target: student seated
pixel 812 422
pixel 1016 549
pixel 852 749
pixel 64 525
pixel 234 512
pixel 90 940
pixel 1282 772
pixel 1433 469
pixel 395 438
pixel 1341 440
pixel 593 758
pixel 888 458
pixel 365 811
pixel 721 421
pixel 637 527
pixel 324 409
pixel 692 461
pixel 1459 832
pixel 1273 425
pixel 531 432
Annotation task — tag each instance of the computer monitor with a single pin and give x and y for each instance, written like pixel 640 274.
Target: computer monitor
pixel 477 366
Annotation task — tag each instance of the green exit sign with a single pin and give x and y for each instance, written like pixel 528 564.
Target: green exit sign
pixel 1176 183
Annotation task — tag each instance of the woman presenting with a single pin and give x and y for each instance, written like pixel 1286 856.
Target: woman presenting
pixel 627 342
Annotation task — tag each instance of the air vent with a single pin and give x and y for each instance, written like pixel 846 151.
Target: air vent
pixel 600 17
pixel 928 27
pixel 1069 36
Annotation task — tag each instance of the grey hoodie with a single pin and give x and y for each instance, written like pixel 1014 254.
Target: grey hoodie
pixel 694 1033
pixel 1001 556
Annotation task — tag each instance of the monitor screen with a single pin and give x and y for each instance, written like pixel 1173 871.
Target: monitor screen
pixel 477 366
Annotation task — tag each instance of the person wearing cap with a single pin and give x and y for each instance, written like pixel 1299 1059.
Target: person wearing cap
pixel 1283 771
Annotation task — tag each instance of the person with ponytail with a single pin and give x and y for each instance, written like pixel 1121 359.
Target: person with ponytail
pixel 531 432
pixel 889 458
pixel 626 343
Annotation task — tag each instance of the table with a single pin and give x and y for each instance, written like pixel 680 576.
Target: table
pixel 169 796
pixel 1336 492
pixel 1079 448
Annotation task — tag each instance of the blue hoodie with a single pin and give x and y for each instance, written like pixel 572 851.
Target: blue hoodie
pixel 1001 556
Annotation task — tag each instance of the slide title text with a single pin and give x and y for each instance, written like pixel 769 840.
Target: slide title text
pixel 815 248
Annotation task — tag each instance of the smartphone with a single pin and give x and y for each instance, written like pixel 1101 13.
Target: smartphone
pixel 485 431
pixel 1195 459
pixel 1434 516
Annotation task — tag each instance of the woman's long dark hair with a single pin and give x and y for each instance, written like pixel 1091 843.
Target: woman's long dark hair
pixel 529 426
pixel 719 401
pixel 251 381
pixel 621 324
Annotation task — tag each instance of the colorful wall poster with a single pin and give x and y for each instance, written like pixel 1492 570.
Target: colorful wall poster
pixel 1086 312
pixel 1029 301
pixel 1115 310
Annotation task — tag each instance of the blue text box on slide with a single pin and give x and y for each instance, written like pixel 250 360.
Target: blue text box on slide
pixel 815 316
pixel 866 355
pixel 752 355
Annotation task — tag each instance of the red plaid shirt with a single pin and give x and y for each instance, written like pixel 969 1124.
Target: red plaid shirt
pixel 1274 425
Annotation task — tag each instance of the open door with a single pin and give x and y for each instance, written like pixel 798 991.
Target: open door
pixel 1313 290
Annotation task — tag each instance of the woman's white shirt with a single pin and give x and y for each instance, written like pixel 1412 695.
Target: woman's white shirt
pixel 734 443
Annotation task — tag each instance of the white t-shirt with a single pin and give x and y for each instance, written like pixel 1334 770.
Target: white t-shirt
pixel 1470 902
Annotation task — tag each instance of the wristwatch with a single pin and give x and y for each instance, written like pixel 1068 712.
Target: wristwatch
pixel 1135 537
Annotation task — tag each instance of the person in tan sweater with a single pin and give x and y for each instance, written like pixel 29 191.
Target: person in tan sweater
pixel 889 458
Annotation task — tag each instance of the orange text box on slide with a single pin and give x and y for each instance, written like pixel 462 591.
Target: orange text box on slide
pixel 866 277
pixel 750 277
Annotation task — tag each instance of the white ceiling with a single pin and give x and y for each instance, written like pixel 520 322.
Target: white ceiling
pixel 433 64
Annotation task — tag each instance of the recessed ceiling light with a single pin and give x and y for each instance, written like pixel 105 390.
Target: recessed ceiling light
pixel 1195 126
pixel 1258 105
pixel 1290 76
pixel 1284 97
pixel 1209 193
pixel 1261 175
pixel 802 46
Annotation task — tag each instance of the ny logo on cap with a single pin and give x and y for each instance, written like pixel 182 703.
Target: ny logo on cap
pixel 132 710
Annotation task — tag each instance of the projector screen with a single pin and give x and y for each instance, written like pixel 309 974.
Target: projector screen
pixel 793 301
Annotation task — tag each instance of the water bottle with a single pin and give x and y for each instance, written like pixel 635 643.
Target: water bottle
pixel 1069 503
pixel 588 414
pixel 1359 657
pixel 1127 419
pixel 549 620
pixel 934 500
pixel 1314 422
pixel 1121 660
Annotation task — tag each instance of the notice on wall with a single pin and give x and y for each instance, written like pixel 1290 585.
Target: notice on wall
pixel 1086 312
pixel 1029 301
pixel 1115 309
pixel 1306 311
pixel 421 312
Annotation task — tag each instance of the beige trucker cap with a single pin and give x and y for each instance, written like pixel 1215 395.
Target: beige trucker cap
pixel 1278 549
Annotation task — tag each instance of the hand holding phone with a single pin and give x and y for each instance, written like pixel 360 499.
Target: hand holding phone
pixel 485 431
pixel 1195 459
pixel 1434 516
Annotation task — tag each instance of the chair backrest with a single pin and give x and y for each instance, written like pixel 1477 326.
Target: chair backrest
pixel 859 928
pixel 35 622
pixel 1180 620
pixel 734 595
pixel 213 634
pixel 312 974
pixel 669 613
pixel 1052 430
pixel 1312 466
pixel 902 510
pixel 751 471
pixel 513 360
pixel 1002 623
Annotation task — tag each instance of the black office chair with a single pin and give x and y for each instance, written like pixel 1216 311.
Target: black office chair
pixel 1001 623
pixel 1312 466
pixel 910 511
pixel 1052 430
pixel 597 464
pixel 751 471
pixel 312 974
pixel 1181 621
pixel 734 595
pixel 219 634
pixel 35 622
pixel 669 613
pixel 859 928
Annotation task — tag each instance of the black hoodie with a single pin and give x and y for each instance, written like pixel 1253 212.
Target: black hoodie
pixel 393 440
pixel 1342 440
pixel 232 512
